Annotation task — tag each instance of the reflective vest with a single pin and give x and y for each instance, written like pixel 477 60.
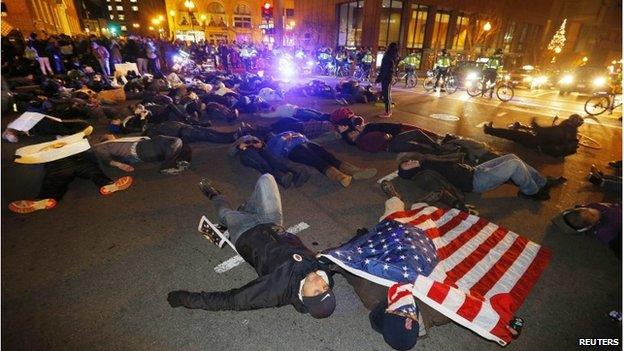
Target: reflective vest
pixel 444 61
pixel 367 59
pixel 494 62
pixel 412 60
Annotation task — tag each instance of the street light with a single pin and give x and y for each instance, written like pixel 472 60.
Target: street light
pixel 487 26
pixel 190 6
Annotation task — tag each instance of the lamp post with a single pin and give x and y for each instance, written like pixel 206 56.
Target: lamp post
pixel 190 5
pixel 172 14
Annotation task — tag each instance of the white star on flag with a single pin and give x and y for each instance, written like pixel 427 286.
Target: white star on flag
pixel 405 275
pixel 403 257
pixel 385 267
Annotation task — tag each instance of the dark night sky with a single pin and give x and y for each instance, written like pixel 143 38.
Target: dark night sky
pixel 96 8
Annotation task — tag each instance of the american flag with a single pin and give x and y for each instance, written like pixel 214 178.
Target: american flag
pixel 473 271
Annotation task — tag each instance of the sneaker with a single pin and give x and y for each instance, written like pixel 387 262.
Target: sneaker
pixel 553 182
pixel 206 187
pixel 10 136
pixel 538 196
pixel 616 164
pixel 385 115
pixel 27 206
pixel 120 184
pixel 595 178
pixel 389 189
pixel 183 165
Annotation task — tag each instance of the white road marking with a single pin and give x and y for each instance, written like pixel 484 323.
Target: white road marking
pixel 501 114
pixel 236 260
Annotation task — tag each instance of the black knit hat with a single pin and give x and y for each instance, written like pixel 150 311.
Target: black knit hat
pixel 320 306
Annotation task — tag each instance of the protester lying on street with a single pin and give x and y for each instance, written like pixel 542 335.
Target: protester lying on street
pixel 317 88
pixel 312 129
pixel 63 161
pixel 294 111
pixel 600 220
pixel 610 183
pixel 34 123
pixel 484 177
pixel 191 133
pixel 288 272
pixel 253 153
pixel 298 148
pixel 352 92
pixel 174 155
pixel 558 140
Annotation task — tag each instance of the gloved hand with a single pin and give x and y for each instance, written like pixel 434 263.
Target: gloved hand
pixel 176 298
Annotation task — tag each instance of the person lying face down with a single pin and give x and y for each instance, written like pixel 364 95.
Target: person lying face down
pixel 288 272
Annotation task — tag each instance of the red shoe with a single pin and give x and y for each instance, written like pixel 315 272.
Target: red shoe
pixel 28 206
pixel 120 184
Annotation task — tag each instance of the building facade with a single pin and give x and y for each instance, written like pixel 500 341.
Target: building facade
pixel 40 16
pixel 240 20
pixel 140 17
pixel 468 28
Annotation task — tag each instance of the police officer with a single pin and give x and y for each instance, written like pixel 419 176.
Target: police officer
pixel 367 61
pixel 491 69
pixel 442 65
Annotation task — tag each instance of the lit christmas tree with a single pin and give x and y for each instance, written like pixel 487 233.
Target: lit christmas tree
pixel 558 40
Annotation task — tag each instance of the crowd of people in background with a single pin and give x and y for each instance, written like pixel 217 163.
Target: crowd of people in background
pixel 181 90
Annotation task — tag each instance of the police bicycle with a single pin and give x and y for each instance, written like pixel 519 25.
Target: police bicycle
pixel 408 76
pixel 448 83
pixel 476 86
pixel 600 102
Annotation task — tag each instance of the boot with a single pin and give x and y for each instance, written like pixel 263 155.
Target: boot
pixel 337 176
pixel 357 172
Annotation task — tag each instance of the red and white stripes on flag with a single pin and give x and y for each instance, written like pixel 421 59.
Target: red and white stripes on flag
pixel 484 272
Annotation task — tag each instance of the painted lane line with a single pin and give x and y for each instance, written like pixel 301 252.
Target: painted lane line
pixel 237 260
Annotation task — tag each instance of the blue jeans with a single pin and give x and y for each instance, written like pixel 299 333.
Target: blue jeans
pixel 263 206
pixel 308 114
pixel 493 173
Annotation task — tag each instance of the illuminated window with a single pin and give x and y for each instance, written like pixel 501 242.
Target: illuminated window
pixel 416 27
pixel 119 8
pixel 350 17
pixel 135 25
pixel 122 17
pixel 110 8
pixel 133 0
pixel 123 28
pixel 242 9
pixel 461 29
pixel 111 16
pixel 135 8
pixel 242 21
pixel 440 29
pixel 390 22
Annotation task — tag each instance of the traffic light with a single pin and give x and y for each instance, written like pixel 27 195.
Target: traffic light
pixel 267 10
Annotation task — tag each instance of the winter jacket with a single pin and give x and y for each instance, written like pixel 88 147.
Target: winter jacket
pixel 282 144
pixel 281 260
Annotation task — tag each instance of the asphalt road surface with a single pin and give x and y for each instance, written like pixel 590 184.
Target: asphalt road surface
pixel 93 273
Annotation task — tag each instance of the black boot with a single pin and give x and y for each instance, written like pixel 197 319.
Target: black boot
pixel 206 187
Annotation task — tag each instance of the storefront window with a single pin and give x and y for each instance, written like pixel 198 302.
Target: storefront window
pixel 390 22
pixel 508 38
pixel 461 29
pixel 416 27
pixel 440 30
pixel 350 17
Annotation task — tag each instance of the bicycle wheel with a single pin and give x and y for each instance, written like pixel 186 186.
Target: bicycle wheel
pixel 596 105
pixel 474 88
pixel 588 142
pixel 451 86
pixel 429 83
pixel 505 92
pixel 410 81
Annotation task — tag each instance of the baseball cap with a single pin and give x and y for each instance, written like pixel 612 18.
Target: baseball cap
pixel 400 332
pixel 322 305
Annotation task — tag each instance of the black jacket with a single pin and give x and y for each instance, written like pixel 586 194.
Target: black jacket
pixel 386 70
pixel 281 261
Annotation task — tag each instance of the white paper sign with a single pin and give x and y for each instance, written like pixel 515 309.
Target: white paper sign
pixel 28 120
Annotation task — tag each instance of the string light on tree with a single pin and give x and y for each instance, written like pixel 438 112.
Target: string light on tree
pixel 558 40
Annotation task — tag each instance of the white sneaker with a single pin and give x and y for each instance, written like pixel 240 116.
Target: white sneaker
pixel 10 136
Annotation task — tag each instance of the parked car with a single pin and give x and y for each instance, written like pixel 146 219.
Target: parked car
pixel 528 77
pixel 585 79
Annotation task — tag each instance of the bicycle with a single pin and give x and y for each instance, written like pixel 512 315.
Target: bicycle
pixel 601 102
pixel 448 85
pixel 504 90
pixel 409 76
pixel 360 75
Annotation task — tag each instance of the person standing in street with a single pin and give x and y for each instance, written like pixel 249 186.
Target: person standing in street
pixel 386 71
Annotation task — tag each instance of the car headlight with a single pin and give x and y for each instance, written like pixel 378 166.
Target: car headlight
pixel 471 76
pixel 527 79
pixel 540 80
pixel 599 81
pixel 506 77
pixel 567 79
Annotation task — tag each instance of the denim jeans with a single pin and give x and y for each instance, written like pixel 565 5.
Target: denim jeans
pixel 307 114
pixel 314 155
pixel 263 206
pixel 493 173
